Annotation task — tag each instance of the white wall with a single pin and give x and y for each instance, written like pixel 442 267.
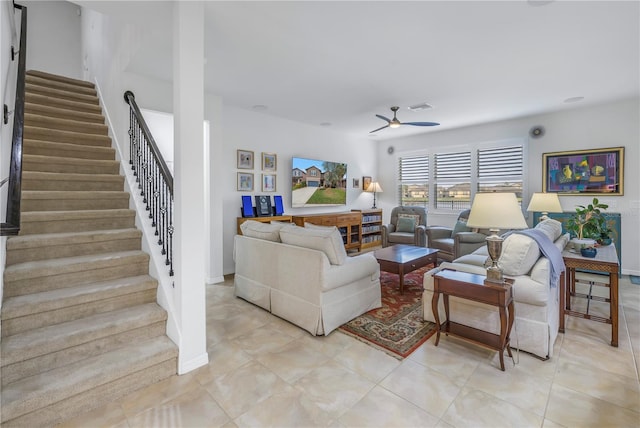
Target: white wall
pixel 611 125
pixel 59 54
pixel 259 133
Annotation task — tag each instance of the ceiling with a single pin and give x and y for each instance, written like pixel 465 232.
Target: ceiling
pixel 343 62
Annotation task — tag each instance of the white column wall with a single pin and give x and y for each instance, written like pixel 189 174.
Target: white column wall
pixel 189 222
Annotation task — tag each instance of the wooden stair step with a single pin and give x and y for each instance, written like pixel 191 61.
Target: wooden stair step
pixel 85 383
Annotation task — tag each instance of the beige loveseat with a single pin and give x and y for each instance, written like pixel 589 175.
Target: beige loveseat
pixel 536 300
pixel 303 274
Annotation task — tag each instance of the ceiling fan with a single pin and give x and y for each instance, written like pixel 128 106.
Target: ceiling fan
pixel 394 123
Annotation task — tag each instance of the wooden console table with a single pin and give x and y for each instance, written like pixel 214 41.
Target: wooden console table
pixel 348 223
pixel 240 220
pixel 473 287
pixel 606 261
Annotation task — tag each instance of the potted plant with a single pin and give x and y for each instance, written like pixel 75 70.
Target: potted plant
pixel 587 224
pixel 604 232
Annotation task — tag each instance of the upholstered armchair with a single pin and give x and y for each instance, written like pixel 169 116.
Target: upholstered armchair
pixel 407 226
pixel 457 241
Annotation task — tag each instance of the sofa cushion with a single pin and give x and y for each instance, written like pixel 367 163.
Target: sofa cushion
pixel 519 254
pixel 327 240
pixel 405 225
pixel 460 226
pixel 267 231
pixel 550 227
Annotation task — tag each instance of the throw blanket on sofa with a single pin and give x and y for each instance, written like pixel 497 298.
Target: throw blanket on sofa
pixel 549 250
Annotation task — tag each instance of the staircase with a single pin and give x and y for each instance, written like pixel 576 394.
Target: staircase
pixel 80 322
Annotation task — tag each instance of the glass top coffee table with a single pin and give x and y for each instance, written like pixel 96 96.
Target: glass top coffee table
pixel 401 259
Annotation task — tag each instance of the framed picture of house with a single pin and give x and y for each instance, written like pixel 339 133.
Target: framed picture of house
pixel 269 161
pixel 245 159
pixel 245 182
pixel 584 172
pixel 366 181
pixel 268 182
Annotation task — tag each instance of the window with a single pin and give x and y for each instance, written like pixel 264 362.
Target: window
pixel 456 177
pixel 414 180
pixel 501 170
pixel 453 180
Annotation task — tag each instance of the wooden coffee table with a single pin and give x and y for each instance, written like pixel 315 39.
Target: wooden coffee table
pixel 401 259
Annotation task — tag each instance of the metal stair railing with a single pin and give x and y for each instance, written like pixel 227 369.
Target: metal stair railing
pixel 154 179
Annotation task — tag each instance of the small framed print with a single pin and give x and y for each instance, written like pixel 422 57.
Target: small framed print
pixel 268 182
pixel 356 183
pixel 263 206
pixel 366 181
pixel 245 182
pixel 269 161
pixel 245 159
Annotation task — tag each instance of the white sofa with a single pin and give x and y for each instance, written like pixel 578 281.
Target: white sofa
pixel 536 301
pixel 304 275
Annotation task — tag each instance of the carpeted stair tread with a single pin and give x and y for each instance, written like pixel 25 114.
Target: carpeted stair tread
pixel 68 200
pixel 25 248
pixel 57 337
pixel 47 268
pixel 66 150
pixel 58 78
pixel 63 113
pixel 61 94
pixel 35 98
pixel 20 306
pixel 36 392
pixel 57 164
pixel 55 181
pixel 58 123
pixel 68 221
pixel 59 84
pixel 32 132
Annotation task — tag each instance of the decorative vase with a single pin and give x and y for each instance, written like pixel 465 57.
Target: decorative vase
pixel 588 252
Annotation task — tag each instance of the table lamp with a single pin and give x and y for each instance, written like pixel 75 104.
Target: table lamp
pixel 545 203
pixel 374 187
pixel 495 211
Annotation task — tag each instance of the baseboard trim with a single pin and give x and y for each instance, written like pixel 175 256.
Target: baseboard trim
pixel 214 280
pixel 194 363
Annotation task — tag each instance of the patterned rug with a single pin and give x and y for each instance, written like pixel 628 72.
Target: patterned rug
pixel 397 327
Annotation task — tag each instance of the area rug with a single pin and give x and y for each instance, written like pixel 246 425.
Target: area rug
pixel 397 327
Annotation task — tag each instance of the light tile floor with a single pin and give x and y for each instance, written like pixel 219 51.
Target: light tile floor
pixel 264 371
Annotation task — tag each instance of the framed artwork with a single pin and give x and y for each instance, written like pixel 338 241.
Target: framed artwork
pixel 245 181
pixel 584 172
pixel 245 159
pixel 366 181
pixel 356 183
pixel 269 161
pixel 263 206
pixel 268 182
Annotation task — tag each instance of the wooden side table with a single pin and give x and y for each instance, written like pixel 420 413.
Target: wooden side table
pixel 606 260
pixel 473 287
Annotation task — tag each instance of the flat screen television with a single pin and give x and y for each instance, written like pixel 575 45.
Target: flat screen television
pixel 318 183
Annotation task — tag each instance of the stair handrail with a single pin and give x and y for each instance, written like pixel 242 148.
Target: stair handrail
pixel 11 225
pixel 154 179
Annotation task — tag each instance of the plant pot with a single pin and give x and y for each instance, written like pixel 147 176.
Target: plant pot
pixel 581 243
pixel 588 252
pixel 604 241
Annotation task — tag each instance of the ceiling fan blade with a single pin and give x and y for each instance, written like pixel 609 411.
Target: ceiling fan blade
pixel 376 130
pixel 383 118
pixel 421 123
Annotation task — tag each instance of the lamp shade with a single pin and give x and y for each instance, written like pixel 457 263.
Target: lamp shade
pixel 545 202
pixel 374 187
pixel 496 211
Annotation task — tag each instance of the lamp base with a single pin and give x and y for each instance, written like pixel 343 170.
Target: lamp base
pixel 494 245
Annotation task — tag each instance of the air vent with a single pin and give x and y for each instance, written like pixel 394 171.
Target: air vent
pixel 421 106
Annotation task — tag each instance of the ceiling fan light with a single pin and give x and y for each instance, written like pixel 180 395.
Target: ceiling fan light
pixel 394 125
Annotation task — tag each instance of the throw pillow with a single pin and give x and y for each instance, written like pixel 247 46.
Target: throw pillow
pixel 406 225
pixel 259 230
pixel 461 226
pixel 328 241
pixel 414 217
pixel 519 254
pixel 550 227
